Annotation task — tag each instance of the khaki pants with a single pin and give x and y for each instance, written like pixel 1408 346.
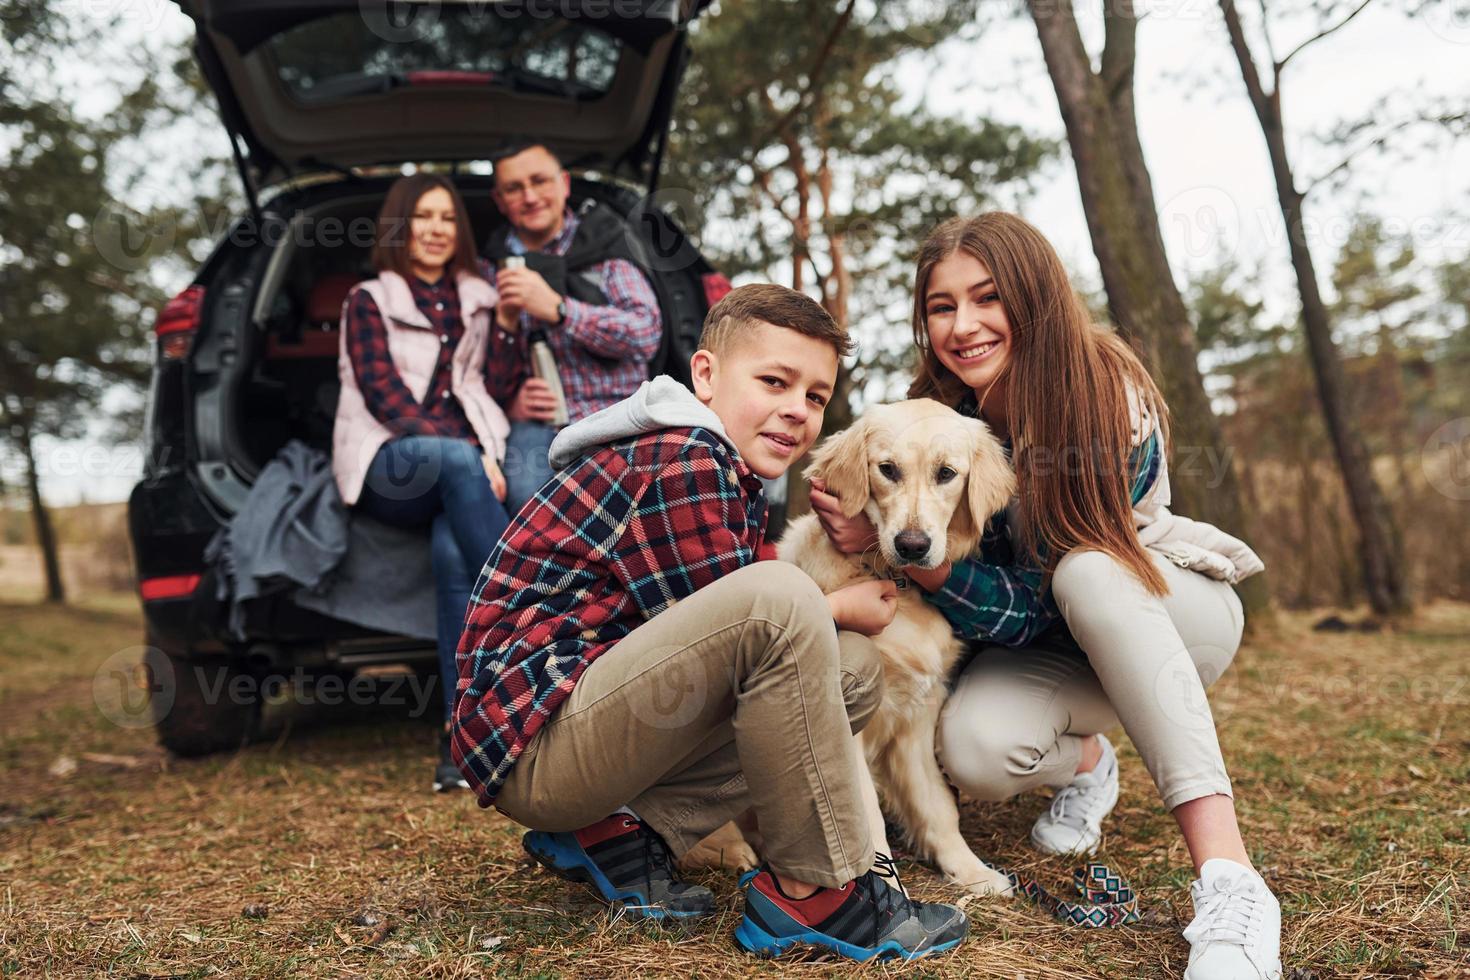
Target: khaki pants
pixel 1016 717
pixel 741 695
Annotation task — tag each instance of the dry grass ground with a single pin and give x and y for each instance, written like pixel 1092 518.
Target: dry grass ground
pixel 95 553
pixel 1349 753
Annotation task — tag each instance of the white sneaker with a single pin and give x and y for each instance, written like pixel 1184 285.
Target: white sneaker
pixel 1236 932
pixel 1073 823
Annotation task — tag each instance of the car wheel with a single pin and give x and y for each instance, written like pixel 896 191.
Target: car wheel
pixel 201 705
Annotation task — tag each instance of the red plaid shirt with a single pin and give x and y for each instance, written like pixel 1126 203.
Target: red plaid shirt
pixel 612 541
pixel 382 387
pixel 602 352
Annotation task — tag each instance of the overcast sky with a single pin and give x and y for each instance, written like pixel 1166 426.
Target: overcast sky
pixel 1203 146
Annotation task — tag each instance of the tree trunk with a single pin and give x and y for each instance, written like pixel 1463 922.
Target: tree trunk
pixel 835 288
pixel 1346 565
pixel 1398 425
pixel 1117 196
pixel 1308 502
pixel 1382 567
pixel 45 536
pixel 838 284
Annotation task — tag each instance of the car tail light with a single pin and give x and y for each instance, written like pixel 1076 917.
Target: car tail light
pixel 716 285
pixel 168 587
pixel 177 322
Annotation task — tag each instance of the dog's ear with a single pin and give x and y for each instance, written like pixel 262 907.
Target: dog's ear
pixel 841 462
pixel 991 482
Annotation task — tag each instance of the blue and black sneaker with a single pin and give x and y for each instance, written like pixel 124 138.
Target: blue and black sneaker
pixel 626 863
pixel 863 920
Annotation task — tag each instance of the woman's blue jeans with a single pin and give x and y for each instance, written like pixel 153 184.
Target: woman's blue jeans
pixel 430 480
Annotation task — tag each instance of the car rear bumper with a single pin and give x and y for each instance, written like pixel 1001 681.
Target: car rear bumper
pixel 170 526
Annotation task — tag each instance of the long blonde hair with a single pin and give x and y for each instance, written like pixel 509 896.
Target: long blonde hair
pixel 1069 385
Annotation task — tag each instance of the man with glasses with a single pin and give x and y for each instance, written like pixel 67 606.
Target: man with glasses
pixel 580 286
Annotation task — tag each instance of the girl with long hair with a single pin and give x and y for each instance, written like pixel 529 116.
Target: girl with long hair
pixel 417 440
pixel 1089 604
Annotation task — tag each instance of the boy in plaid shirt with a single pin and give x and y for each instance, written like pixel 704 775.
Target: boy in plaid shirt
pixel 633 675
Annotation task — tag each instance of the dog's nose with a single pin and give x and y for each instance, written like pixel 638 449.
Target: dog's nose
pixel 911 545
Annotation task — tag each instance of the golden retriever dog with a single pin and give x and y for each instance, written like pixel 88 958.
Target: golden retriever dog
pixel 929 479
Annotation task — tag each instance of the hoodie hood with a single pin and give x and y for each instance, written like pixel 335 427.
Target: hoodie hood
pixel 661 403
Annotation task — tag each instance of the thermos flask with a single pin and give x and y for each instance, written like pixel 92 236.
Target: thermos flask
pixel 543 361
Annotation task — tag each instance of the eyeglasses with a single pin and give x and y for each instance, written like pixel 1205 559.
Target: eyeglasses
pixel 537 183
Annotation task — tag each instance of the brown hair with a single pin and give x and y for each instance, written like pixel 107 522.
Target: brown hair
pixel 390 247
pixel 741 308
pixel 1072 388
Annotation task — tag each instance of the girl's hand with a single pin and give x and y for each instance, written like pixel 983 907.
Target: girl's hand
pixel 849 535
pixel 493 474
pixel 865 608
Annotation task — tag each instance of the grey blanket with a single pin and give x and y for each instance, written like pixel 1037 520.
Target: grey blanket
pixel 294 533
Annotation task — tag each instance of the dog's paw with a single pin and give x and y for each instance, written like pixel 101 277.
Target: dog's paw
pixel 979 878
pixel 725 848
pixel 733 857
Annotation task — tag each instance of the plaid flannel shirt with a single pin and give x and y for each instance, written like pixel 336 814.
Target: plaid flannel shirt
pixel 602 352
pixel 382 387
pixel 610 542
pixel 994 598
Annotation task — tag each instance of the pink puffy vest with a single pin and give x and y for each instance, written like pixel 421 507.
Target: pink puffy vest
pixel 414 347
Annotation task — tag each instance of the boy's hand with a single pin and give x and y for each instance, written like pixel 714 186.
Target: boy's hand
pixel 849 535
pixel 865 608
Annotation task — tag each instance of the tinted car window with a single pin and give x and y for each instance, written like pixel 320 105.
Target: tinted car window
pixel 355 53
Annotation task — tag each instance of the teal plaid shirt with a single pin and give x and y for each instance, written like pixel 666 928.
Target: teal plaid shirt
pixel 993 597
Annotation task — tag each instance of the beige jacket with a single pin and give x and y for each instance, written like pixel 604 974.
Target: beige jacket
pixel 414 347
pixel 1188 543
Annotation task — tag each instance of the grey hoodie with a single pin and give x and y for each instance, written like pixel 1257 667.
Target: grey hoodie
pixel 662 403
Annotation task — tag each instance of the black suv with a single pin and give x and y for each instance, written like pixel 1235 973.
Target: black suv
pixel 325 102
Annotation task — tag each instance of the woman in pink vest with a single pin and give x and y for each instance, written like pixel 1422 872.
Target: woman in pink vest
pixel 417 440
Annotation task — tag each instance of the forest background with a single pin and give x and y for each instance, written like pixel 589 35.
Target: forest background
pixel 1309 322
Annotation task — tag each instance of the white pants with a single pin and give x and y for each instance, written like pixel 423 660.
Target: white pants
pixel 1017 716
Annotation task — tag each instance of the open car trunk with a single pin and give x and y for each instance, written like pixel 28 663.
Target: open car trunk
pixel 322 85
pixel 264 366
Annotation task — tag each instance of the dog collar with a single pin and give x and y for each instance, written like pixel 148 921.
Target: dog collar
pixel 901 581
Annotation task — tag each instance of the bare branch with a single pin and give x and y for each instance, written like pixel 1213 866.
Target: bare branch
pixel 823 279
pixel 763 181
pixel 813 75
pixel 1266 32
pixel 1260 99
pixel 1280 66
pixel 1446 120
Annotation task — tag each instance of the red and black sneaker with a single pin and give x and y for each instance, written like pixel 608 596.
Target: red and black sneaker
pixel 626 862
pixel 865 919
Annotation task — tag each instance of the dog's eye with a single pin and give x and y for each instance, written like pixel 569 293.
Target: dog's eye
pixel 945 474
pixel 889 471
